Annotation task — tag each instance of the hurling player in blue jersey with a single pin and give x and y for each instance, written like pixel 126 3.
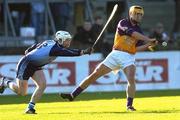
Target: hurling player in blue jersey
pixel 32 62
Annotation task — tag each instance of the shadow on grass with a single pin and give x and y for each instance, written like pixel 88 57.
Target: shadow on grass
pixel 14 99
pixel 122 112
pixel 89 112
pixel 160 111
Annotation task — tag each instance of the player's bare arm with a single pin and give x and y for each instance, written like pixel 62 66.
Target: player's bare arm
pixel 140 36
pixel 146 46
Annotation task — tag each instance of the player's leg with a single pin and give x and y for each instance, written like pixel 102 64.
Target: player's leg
pixel 97 73
pixel 131 87
pixel 19 87
pixel 21 84
pixel 40 82
pixel 109 64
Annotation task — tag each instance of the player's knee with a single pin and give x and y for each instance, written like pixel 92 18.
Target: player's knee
pixel 42 86
pixel 131 81
pixel 132 85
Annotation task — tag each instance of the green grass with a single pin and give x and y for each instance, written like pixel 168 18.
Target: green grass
pixel 151 105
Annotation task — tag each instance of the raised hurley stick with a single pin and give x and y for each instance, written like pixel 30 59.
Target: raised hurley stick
pixel 105 26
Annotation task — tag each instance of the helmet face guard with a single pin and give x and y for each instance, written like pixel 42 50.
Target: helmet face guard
pixel 62 36
pixel 136 13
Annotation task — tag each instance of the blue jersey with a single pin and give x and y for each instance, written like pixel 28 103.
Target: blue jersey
pixel 48 51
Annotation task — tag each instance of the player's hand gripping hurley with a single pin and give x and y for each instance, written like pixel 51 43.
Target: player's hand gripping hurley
pixel 156 42
pixel 105 26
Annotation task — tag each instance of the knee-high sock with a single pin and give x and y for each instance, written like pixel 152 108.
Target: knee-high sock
pixel 129 101
pixel 77 91
pixel 31 105
pixel 12 85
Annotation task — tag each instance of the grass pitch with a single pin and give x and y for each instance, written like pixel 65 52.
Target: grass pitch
pixel 150 105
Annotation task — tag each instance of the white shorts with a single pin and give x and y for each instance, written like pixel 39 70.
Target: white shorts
pixel 119 60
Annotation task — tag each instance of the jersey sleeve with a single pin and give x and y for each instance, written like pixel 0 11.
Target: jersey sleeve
pixel 60 51
pixel 140 43
pixel 124 28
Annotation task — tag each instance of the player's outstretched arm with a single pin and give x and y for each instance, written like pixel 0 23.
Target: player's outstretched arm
pixel 140 36
pixel 146 46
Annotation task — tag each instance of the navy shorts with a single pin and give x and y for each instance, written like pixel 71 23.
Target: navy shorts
pixel 25 69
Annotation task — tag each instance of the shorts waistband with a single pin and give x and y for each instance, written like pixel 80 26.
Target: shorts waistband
pixel 123 50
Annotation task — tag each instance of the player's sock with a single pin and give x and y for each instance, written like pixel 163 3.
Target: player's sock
pixel 31 105
pixel 6 83
pixel 129 101
pixel 76 92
